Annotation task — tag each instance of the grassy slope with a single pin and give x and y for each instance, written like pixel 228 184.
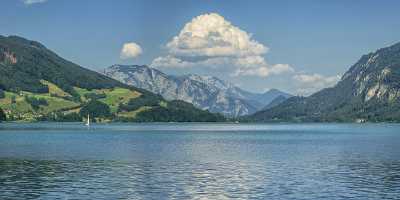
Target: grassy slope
pixel 56 101
pixel 113 98
pixel 53 98
pixel 55 90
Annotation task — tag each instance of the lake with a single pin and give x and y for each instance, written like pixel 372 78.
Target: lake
pixel 199 161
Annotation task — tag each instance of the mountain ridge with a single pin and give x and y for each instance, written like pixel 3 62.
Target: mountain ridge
pixel 205 92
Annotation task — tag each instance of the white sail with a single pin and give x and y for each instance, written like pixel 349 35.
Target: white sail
pixel 88 120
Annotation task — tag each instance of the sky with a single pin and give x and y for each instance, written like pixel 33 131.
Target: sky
pixel 295 46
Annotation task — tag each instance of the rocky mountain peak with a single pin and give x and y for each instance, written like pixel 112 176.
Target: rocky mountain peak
pixel 375 75
pixel 369 90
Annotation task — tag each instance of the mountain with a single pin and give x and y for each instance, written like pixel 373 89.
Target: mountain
pixel 205 92
pixel 37 84
pixel 268 96
pixel 368 91
pixel 278 100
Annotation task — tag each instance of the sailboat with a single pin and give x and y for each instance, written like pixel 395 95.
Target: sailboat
pixel 88 121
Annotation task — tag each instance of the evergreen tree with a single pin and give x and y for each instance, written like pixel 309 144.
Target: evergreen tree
pixel 2 115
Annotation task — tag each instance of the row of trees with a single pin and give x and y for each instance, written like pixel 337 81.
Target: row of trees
pixel 136 103
pixel 175 111
pixel 94 108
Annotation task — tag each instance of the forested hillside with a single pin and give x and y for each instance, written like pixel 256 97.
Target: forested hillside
pixel 37 84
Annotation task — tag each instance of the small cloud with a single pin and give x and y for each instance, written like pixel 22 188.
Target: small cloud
pixel 30 2
pixel 130 50
pixel 253 71
pixel 310 83
pixel 263 70
pixel 281 68
pixel 170 62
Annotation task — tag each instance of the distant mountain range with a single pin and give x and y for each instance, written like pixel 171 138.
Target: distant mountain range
pixel 37 84
pixel 368 91
pixel 205 92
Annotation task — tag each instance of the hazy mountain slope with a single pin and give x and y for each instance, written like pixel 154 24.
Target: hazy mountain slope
pixel 205 92
pixel 278 100
pixel 369 90
pixel 37 84
pixel 268 96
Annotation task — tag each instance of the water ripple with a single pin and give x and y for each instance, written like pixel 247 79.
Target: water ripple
pixel 101 179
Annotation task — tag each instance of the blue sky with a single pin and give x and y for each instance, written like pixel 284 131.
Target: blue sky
pixel 315 40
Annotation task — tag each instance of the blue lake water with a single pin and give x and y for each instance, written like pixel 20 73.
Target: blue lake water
pixel 199 161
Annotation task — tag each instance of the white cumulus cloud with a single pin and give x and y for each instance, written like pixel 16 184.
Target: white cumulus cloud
pixel 30 2
pixel 130 50
pixel 310 83
pixel 211 35
pixel 210 40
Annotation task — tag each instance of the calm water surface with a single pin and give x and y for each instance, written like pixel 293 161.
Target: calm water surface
pixel 199 161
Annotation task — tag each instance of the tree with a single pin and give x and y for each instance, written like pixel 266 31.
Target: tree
pixel 13 99
pixel 142 100
pixel 2 94
pixel 95 109
pixel 2 115
pixel 36 102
